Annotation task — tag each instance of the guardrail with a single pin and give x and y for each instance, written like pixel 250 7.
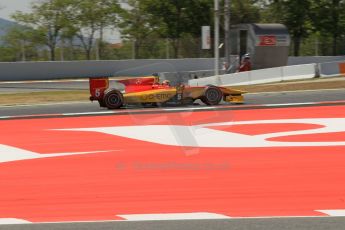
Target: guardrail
pixel 260 76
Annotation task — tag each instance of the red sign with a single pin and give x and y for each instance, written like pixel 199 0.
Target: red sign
pixel 268 41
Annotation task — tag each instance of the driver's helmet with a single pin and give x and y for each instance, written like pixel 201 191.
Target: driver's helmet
pixel 246 56
pixel 166 82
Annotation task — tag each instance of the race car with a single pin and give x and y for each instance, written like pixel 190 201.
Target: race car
pixel 148 91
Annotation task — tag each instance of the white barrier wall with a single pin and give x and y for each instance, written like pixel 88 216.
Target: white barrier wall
pixel 299 72
pixel 265 75
pixel 235 79
pixel 177 78
pixel 205 81
pixel 332 69
pixel 260 76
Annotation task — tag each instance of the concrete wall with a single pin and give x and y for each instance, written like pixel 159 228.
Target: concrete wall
pixel 260 76
pixel 298 72
pixel 177 78
pixel 182 69
pixel 316 59
pixel 80 69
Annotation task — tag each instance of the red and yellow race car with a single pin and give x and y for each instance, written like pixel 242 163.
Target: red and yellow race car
pixel 148 91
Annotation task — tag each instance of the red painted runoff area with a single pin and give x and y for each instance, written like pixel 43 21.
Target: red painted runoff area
pixel 99 172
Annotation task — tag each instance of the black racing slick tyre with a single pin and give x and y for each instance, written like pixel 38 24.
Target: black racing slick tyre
pixel 113 99
pixel 212 96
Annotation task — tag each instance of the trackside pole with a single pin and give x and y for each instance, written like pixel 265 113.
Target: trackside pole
pixel 216 37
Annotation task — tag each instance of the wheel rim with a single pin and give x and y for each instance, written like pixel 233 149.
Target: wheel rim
pixel 114 99
pixel 212 95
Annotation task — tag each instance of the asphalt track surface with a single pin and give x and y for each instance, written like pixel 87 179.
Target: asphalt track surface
pixel 324 223
pixel 251 100
pixel 115 182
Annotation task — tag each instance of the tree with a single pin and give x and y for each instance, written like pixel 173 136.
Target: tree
pixel 18 39
pixel 20 44
pixel 138 25
pixel 111 10
pixel 295 15
pixel 48 18
pixel 329 18
pixel 177 17
pixel 87 17
pixel 244 11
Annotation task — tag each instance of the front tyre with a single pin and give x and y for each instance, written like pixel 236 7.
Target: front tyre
pixel 113 99
pixel 212 96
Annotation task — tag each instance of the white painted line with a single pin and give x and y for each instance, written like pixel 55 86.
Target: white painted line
pixel 10 154
pixel 13 221
pixel 189 108
pixel 138 110
pixel 88 113
pixel 297 91
pixel 202 135
pixel 289 104
pixel 335 212
pixel 174 216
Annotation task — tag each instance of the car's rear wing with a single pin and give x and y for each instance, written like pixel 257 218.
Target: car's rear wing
pixel 97 87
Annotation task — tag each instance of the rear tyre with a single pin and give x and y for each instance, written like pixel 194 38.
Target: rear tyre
pixel 212 96
pixel 113 99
